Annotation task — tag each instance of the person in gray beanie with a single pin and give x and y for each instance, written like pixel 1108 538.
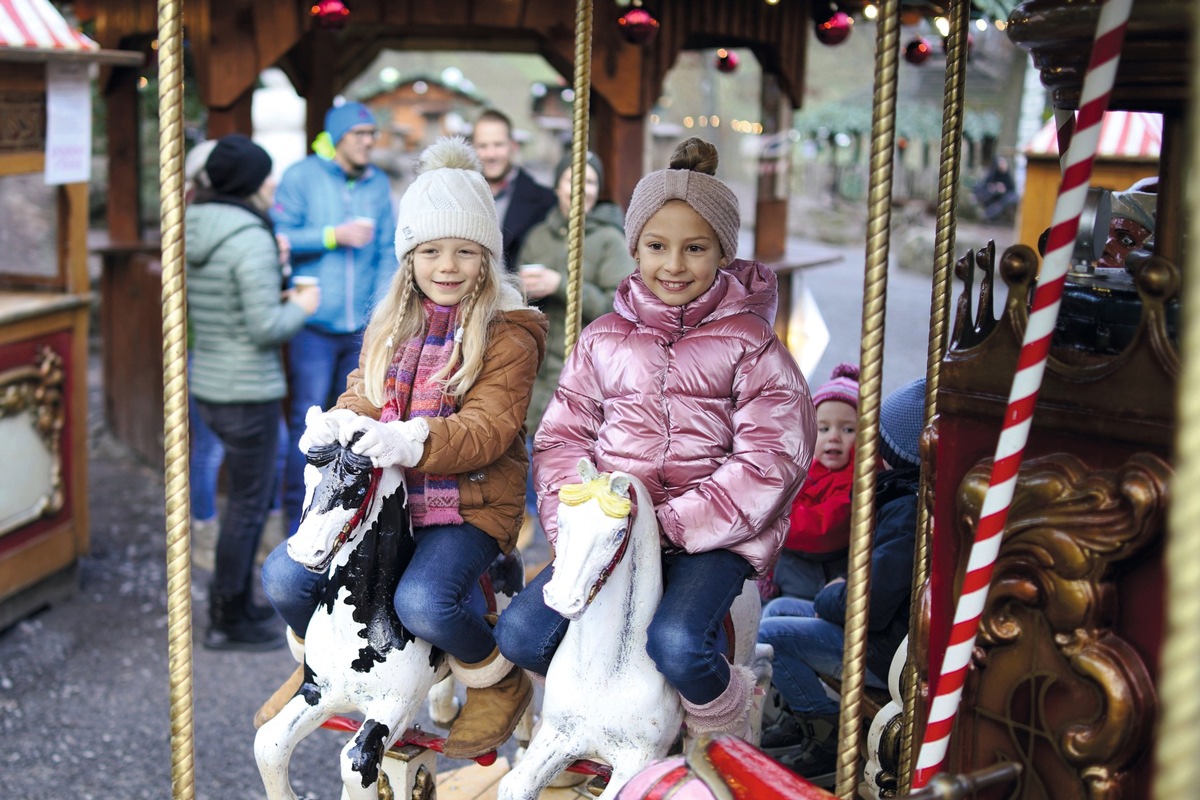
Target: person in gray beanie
pixel 447 366
pixel 685 386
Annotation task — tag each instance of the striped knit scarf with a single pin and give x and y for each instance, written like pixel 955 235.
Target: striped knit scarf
pixel 411 393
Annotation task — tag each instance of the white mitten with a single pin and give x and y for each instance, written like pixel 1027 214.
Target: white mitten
pixel 322 427
pixel 399 443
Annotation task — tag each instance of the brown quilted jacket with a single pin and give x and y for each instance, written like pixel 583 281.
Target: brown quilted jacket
pixel 483 443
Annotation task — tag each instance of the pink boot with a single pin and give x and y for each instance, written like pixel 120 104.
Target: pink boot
pixel 729 713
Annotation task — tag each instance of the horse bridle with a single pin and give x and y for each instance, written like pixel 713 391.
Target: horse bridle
pixel 616 559
pixel 356 518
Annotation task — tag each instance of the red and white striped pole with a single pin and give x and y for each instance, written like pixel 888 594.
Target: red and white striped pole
pixel 1077 173
pixel 1064 123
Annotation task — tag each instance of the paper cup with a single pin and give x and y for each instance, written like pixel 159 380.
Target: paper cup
pixel 305 280
pixel 532 267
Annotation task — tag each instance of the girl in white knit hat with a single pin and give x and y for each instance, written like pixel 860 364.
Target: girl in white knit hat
pixel 447 366
pixel 685 386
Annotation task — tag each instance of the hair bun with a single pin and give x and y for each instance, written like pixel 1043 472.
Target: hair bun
pixel 845 370
pixel 450 152
pixel 696 155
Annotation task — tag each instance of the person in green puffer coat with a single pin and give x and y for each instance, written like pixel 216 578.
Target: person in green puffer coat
pixel 239 322
pixel 606 261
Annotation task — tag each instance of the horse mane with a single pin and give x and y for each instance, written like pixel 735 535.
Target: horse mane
pixel 612 504
pixel 378 559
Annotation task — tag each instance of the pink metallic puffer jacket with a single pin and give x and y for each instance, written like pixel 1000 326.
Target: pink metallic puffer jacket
pixel 701 402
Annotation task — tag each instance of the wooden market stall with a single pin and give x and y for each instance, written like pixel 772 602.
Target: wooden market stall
pixel 1129 148
pixel 44 302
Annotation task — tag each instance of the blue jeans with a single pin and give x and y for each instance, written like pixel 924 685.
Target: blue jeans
pixel 249 433
pixel 435 599
pixel 797 575
pixel 805 645
pixel 318 364
pixel 684 635
pixel 204 464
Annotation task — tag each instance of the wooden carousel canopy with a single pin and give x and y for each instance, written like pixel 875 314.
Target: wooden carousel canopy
pixel 232 42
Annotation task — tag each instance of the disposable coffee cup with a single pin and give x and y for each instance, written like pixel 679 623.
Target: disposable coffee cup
pixel 532 267
pixel 300 281
pixel 367 221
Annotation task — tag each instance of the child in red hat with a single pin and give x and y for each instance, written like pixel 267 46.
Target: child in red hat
pixel 818 535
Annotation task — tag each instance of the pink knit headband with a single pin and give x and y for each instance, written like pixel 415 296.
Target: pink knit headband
pixel 708 196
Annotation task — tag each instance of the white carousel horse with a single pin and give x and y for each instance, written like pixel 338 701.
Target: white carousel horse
pixel 358 657
pixel 604 697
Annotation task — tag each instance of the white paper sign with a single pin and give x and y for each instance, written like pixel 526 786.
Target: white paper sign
pixel 68 123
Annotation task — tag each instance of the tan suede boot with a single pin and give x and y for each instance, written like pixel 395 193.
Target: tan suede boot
pixel 497 693
pixel 289 688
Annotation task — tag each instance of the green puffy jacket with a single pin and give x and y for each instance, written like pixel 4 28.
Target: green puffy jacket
pixel 605 263
pixel 237 319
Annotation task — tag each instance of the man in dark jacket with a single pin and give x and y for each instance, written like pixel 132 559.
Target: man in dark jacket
pixel 809 636
pixel 521 202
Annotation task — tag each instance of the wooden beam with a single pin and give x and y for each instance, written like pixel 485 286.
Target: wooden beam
pixel 235 118
pixel 619 141
pixel 124 152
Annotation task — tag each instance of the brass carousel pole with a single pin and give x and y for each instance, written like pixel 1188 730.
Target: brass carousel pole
pixel 862 510
pixel 939 324
pixel 1177 769
pixel 175 409
pixel 579 147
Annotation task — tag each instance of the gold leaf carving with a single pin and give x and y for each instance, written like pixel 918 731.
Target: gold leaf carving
pixel 1054 686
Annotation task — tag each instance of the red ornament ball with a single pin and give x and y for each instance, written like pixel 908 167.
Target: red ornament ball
pixel 638 26
pixel 330 14
pixel 726 60
pixel 835 30
pixel 917 51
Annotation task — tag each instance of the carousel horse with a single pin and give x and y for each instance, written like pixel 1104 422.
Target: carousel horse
pixel 604 697
pixel 358 657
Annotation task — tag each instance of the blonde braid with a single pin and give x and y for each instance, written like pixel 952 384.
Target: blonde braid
pixel 471 353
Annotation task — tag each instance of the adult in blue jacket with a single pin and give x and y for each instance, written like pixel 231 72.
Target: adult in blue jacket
pixel 335 209
pixel 809 635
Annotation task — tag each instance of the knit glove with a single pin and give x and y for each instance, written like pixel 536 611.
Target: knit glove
pixel 388 444
pixel 322 427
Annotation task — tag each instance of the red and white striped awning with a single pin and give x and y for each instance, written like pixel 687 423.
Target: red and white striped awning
pixel 36 24
pixel 1123 134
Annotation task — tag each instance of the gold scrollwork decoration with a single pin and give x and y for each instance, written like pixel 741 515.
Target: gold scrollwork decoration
pixel 37 389
pixel 1054 686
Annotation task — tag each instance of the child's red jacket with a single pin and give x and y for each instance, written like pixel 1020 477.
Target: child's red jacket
pixel 820 521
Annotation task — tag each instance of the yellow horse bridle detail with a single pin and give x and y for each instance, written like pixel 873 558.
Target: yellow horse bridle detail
pixel 611 503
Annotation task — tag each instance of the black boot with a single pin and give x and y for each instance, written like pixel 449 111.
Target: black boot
pixel 258 612
pixel 813 754
pixel 232 628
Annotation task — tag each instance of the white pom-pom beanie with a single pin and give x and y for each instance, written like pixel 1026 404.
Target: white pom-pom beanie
pixel 449 199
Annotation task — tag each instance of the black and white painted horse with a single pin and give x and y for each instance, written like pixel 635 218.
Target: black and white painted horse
pixel 358 657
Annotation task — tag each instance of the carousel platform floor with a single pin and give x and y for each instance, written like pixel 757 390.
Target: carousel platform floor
pixel 474 782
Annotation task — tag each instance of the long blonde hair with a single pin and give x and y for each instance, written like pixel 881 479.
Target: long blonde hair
pixel 400 316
